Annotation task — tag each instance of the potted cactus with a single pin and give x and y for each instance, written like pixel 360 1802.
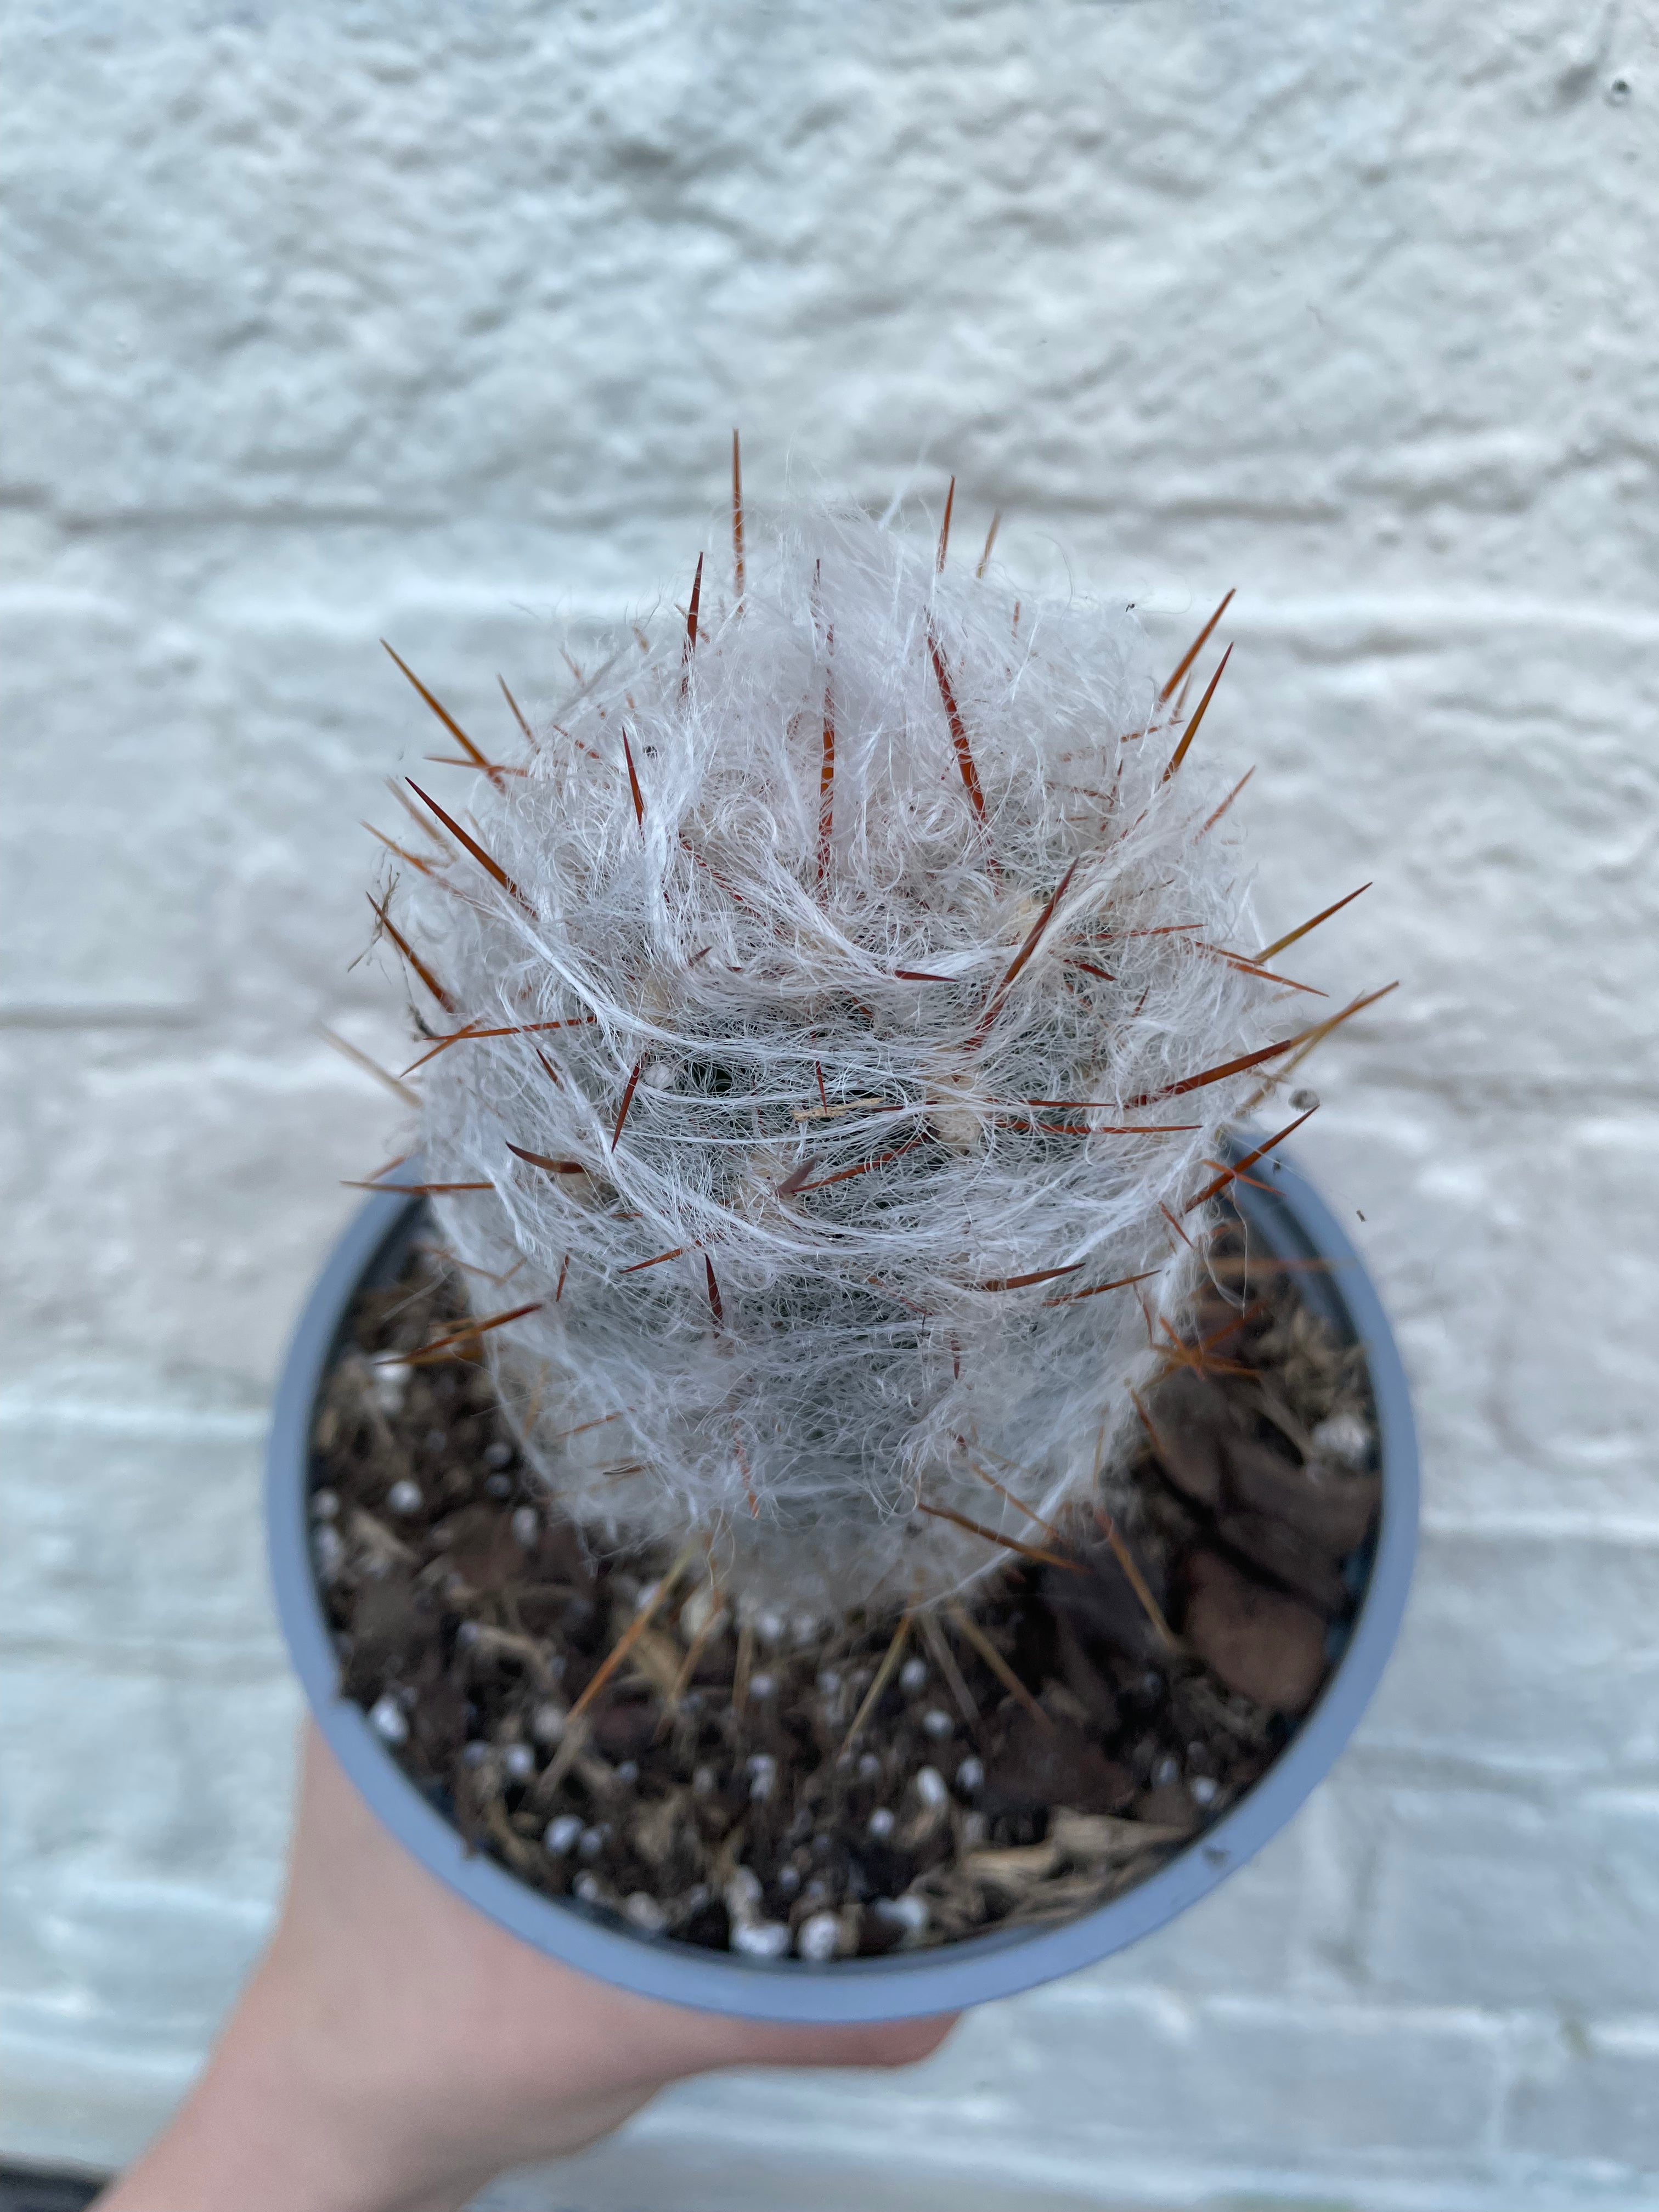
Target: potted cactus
pixel 831 1482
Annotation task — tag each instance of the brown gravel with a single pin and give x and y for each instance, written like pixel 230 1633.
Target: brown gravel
pixel 1017 1766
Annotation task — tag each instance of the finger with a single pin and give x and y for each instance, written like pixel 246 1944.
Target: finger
pixel 881 2043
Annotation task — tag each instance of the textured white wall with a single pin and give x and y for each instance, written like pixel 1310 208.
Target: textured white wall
pixel 327 322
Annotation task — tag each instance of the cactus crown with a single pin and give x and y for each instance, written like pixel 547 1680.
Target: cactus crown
pixel 835 1012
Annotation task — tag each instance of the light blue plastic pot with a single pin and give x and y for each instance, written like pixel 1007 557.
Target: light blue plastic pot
pixel 1288 1220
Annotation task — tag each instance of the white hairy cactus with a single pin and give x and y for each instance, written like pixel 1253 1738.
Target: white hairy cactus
pixel 827 1016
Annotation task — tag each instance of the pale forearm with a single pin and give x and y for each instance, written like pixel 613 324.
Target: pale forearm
pixel 281 2122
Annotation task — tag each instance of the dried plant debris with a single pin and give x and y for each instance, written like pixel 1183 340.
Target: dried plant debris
pixel 736 1777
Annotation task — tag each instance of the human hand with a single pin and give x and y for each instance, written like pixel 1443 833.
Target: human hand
pixel 395 2049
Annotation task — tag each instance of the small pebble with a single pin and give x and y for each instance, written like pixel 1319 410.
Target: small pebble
pixel 881 1822
pixel 519 1761
pixel 561 1835
pixel 498 1454
pixel 938 1724
pixel 643 1910
pixel 474 1755
pixel 387 1719
pixel 435 1440
pixel 763 1774
pixel 591 1842
pixel 974 1830
pixel 761 1687
pixel 761 1939
pixel 498 1485
pixel 970 1776
pixel 789 1882
pixel 1166 1771
pixel 527 1526
pixel 403 1497
pixel 627 1773
pixel 547 1724
pixel 327 1551
pixel 1202 1789
pixel 743 1892
pixel 325 1503
pixel 912 1675
pixel 467 1634
pixel 816 1890
pixel 769 1627
pixel 930 1786
pixel 869 1766
pixel 910 1913
pixel 819 1937
pixel 704 1781
pixel 589 1888
pixel 805 1628
pixel 828 1682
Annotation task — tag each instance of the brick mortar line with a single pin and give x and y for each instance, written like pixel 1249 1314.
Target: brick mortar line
pixel 246 1660
pixel 1475 2180
pixel 1440 619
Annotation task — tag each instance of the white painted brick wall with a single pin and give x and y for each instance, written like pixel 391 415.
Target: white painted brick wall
pixel 326 322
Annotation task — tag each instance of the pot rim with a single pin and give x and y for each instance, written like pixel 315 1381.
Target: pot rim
pixel 904 1985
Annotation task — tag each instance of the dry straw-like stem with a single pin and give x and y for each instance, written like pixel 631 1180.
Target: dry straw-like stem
pixel 971 1633
pixel 883 1676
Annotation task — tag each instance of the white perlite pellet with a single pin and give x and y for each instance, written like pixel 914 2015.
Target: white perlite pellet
pixel 761 1939
pixel 907 1912
pixel 1343 1437
pixel 390 1378
pixel 388 1720
pixel 819 1937
pixel 742 1893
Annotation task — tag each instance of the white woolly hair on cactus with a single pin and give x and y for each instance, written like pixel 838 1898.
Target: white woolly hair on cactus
pixel 840 1018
